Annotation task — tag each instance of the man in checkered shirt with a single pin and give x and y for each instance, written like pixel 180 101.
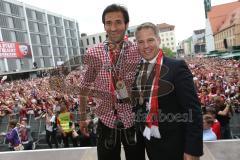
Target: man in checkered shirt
pixel 109 66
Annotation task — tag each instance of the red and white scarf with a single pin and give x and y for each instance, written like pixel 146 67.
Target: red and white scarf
pixel 151 129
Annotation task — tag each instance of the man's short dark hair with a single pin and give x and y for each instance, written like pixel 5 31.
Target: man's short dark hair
pixel 116 8
pixel 148 25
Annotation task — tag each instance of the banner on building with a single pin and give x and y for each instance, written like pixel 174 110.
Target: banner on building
pixel 14 50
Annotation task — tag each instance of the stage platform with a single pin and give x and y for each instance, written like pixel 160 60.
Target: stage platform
pixel 218 150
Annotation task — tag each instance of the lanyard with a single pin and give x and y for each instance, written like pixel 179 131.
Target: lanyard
pixel 113 67
pixel 113 72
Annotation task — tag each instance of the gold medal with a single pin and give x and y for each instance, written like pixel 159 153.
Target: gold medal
pixel 120 85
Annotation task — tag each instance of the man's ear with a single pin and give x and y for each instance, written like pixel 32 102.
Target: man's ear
pixel 159 40
pixel 104 27
pixel 126 27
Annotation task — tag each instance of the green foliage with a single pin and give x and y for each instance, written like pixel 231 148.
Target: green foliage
pixel 168 52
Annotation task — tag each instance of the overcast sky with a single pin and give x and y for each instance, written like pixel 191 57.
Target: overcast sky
pixel 186 15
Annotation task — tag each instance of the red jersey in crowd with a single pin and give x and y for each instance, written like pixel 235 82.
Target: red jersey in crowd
pixel 216 127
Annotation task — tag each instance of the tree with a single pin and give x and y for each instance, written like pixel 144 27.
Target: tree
pixel 168 52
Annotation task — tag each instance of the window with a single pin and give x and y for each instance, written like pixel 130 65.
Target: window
pixel 21 37
pixel 35 38
pixel 33 27
pixel 2 6
pixel 87 41
pixel 66 24
pixel 100 39
pixel 57 21
pixel 74 42
pixel 70 52
pixel 47 62
pixel 8 35
pixel 42 28
pixel 15 9
pixel 71 24
pixel 45 51
pixel 54 40
pixel 75 52
pixel 56 51
pixel 53 30
pixel 43 39
pixel 37 51
pixel 68 34
pixel 59 31
pixel 18 23
pixel 29 13
pixel 40 16
pixel 50 19
pixel 3 21
pixel 62 51
pixel 60 41
pixel 69 43
pixel 72 33
pixel 93 38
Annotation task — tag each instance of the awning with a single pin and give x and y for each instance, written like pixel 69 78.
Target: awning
pixel 230 55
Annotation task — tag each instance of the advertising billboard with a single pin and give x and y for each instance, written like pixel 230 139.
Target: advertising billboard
pixel 14 50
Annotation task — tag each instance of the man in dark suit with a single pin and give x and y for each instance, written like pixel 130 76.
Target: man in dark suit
pixel 168 113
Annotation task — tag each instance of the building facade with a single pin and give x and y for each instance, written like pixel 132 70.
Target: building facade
pixel 90 40
pixel 217 22
pixel 53 38
pixel 166 33
pixel 228 34
pixel 199 43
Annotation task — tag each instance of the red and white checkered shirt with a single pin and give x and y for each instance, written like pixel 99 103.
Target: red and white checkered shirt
pixel 98 78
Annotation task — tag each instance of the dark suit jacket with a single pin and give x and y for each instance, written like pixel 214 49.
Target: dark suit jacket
pixel 180 112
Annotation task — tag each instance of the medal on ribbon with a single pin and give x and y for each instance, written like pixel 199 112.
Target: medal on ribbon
pixel 141 99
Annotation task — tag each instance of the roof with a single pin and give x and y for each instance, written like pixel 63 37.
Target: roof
pixel 231 19
pixel 219 13
pixel 163 26
pixel 200 31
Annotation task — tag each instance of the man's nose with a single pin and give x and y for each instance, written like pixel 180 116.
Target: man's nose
pixel 113 27
pixel 145 45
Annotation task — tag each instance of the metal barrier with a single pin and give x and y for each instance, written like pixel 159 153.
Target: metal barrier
pixel 215 150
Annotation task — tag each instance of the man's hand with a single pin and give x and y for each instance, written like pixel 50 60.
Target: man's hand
pixel 84 127
pixel 190 157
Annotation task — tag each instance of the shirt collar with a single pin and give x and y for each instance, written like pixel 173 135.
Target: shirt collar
pixel 153 61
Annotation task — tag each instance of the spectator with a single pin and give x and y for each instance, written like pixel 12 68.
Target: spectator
pixel 51 128
pixel 13 137
pixel 208 134
pixel 66 125
pixel 25 135
pixel 216 127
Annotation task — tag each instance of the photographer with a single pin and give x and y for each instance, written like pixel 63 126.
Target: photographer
pixel 224 111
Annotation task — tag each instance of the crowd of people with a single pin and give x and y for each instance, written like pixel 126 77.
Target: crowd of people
pixel 21 100
pixel 218 85
pixel 216 80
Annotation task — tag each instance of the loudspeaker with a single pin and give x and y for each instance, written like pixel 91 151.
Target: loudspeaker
pixel 225 43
